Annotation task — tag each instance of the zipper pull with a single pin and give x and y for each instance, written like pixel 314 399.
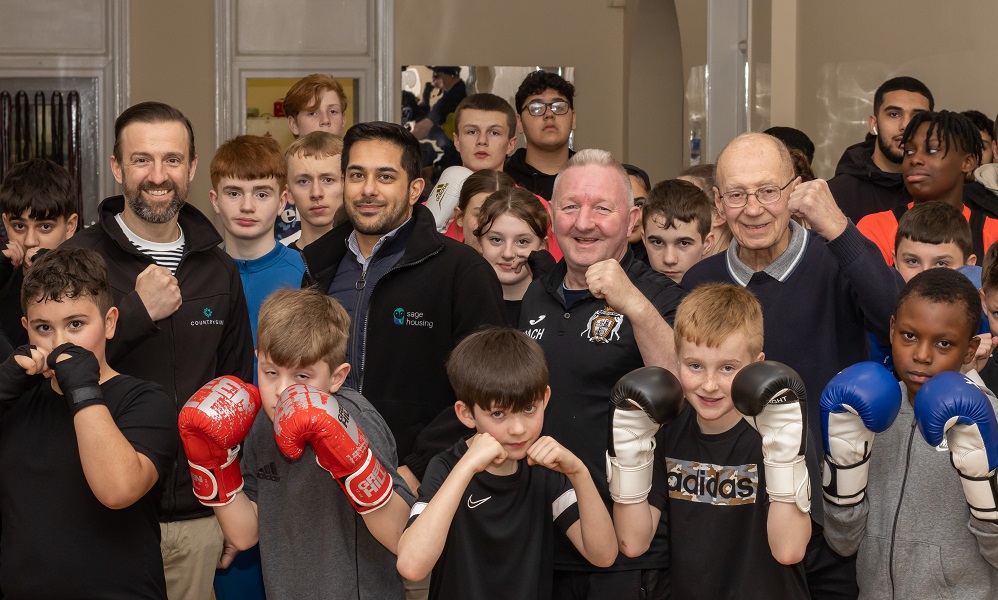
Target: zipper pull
pixel 362 281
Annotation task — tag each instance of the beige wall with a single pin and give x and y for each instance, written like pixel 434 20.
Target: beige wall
pixel 173 61
pixel 585 34
pixel 849 47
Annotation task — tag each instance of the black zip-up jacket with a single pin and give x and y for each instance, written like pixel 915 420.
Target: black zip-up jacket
pixel 443 290
pixel 208 336
pixel 526 176
pixel 860 188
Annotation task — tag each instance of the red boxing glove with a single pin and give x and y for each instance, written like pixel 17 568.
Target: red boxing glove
pixel 306 415
pixel 212 425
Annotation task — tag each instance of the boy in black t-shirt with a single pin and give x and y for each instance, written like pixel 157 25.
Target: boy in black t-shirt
pixel 83 445
pixel 484 515
pixel 708 478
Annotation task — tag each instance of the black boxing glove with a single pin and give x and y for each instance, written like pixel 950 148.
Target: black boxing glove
pixel 78 376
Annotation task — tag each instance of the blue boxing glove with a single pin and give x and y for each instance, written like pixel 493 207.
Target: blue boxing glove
pixel 951 405
pixel 862 400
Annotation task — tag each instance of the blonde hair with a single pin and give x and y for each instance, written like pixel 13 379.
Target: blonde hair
pixel 714 311
pixel 318 144
pixel 299 328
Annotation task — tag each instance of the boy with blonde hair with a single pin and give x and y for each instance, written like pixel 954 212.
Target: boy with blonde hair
pixel 712 473
pixel 282 494
pixel 315 185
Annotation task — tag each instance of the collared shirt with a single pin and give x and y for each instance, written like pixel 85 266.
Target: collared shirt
pixel 780 269
pixel 354 246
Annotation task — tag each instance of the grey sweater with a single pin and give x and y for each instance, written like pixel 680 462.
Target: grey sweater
pixel 938 551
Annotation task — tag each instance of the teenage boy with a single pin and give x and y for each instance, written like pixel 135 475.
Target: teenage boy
pixel 488 507
pixel 350 522
pixel 932 234
pixel 484 133
pixel 868 177
pixel 248 177
pixel 940 150
pixel 38 207
pixel 545 109
pixel 677 227
pixel 89 446
pixel 758 517
pixel 315 184
pixel 914 513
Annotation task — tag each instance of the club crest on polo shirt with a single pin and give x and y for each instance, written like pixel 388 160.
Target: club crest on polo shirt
pixel 604 326
pixel 712 484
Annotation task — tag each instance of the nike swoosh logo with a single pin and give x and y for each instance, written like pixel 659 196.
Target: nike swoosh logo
pixel 477 503
pixel 537 320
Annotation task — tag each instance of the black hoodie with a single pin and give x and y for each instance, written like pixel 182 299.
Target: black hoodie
pixel 527 176
pixel 860 188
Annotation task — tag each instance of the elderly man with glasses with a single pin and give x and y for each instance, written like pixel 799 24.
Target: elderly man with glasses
pixel 545 112
pixel 821 291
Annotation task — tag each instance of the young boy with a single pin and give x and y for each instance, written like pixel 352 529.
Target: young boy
pixel 293 506
pixel 87 446
pixel 248 177
pixel 484 523
pixel 932 234
pixel 676 221
pixel 38 206
pixel 912 528
pixel 940 150
pixel 315 184
pixel 708 470
pixel 316 103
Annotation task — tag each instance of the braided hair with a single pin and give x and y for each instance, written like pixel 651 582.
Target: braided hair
pixel 953 129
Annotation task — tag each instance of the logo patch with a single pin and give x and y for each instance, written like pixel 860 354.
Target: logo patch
pixel 537 320
pixel 399 316
pixel 440 192
pixel 410 318
pixel 268 472
pixel 604 326
pixel 713 484
pixel 476 503
pixel 207 313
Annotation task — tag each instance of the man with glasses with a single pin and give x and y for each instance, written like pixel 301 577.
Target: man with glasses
pixel 546 116
pixel 821 291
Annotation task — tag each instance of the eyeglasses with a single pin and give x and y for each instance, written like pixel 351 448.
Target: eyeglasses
pixel 538 108
pixel 765 195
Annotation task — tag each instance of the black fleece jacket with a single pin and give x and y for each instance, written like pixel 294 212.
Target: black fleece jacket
pixel 439 291
pixel 861 188
pixel 208 336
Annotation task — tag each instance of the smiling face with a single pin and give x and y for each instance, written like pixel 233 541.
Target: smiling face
pixel 316 188
pixel 706 374
pixel 928 338
pixel 932 171
pixel 516 431
pixel 377 196
pixel 506 246
pixel 155 169
pixel 483 139
pixel 327 116
pixel 747 165
pixel 247 207
pixel 592 216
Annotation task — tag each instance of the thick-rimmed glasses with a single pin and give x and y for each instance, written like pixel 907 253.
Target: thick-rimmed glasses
pixel 765 195
pixel 538 108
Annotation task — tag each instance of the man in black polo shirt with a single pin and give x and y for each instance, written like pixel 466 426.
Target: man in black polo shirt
pixel 598 315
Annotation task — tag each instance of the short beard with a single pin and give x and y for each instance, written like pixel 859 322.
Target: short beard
pixel 388 222
pixel 887 149
pixel 153 215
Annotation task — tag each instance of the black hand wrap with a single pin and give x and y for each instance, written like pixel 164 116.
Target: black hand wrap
pixel 14 381
pixel 78 376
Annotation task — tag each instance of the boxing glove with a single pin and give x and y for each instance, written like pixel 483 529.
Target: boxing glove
pixel 640 404
pixel 212 425
pixel 306 415
pixel 770 396
pixel 862 400
pixel 78 376
pixel 951 405
pixel 445 195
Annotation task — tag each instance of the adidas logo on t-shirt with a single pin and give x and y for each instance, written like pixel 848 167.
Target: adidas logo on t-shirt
pixel 268 472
